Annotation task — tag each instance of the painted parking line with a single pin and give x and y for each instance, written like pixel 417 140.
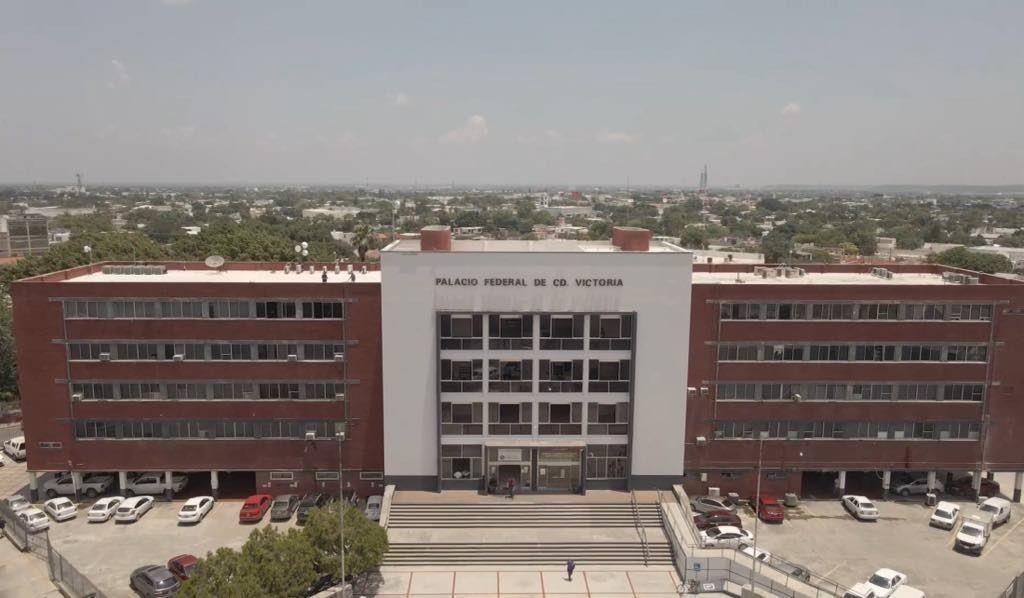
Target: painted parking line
pixel 989 549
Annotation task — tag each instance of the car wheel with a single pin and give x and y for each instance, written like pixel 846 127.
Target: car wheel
pixel 129 493
pixel 51 493
pixel 91 493
pixel 904 493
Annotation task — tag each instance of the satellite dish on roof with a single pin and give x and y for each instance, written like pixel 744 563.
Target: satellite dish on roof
pixel 214 261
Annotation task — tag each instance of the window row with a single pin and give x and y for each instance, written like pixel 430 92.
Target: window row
pixel 856 311
pixel 850 352
pixel 204 429
pixel 517 418
pixel 553 332
pixel 867 391
pixel 217 391
pixel 799 430
pixel 244 351
pixel 517 375
pixel 191 309
pixel 465 461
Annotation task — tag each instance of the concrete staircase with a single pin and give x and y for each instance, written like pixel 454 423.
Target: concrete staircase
pixel 526 534
pixel 522 515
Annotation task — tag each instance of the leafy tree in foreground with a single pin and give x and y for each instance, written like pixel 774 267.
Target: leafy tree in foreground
pixel 961 257
pixel 222 574
pixel 365 541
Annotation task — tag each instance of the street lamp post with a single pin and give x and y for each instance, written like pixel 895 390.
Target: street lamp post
pixel 341 508
pixel 757 515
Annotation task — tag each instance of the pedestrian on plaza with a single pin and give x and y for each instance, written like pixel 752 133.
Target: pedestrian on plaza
pixel 570 566
pixel 511 485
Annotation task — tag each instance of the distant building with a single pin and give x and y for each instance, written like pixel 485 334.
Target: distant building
pixel 339 212
pixel 23 235
pixel 568 211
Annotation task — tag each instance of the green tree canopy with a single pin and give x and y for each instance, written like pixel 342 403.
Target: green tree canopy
pixel 365 540
pixel 961 257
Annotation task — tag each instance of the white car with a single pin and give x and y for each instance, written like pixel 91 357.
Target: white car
pixel 725 536
pixel 63 484
pixel 373 505
pixel 60 509
pixel 195 509
pixel 755 552
pixel 132 509
pixel 998 508
pixel 918 486
pixel 34 519
pixel 945 515
pixel 152 482
pixel 17 503
pixel 103 509
pixel 860 507
pixel 885 581
pixel 974 533
pixel 15 447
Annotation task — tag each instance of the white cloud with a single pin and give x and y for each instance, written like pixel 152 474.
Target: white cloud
pixel 616 137
pixel 472 131
pixel 398 99
pixel 790 109
pixel 119 75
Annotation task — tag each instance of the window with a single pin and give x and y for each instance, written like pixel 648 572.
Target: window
pixel 783 352
pixel 228 309
pixel 776 392
pixel 371 475
pixel 462 376
pixel 561 332
pixel 323 391
pixel 608 419
pixel 611 332
pixel 967 311
pixel 917 392
pixel 606 461
pixel 561 376
pixel 279 390
pixel 93 391
pixel 564 419
pixel 967 353
pixel 609 376
pixel 87 351
pixel 829 352
pixel 321 351
pixel 785 311
pixel 871 392
pixel 275 309
pixel 509 418
pixel 275 351
pixel 186 391
pixel 462 418
pixel 323 310
pixel 50 445
pixel 732 352
pixel 879 311
pixel 232 351
pixel 845 430
pixel 462 332
pixel 874 352
pixel 203 429
pixel 234 391
pixel 281 476
pixel 510 376
pixel 921 353
pixel 963 392
pixel 740 311
pixel 327 476
pixel 86 309
pixel 832 311
pixel 137 352
pixel 924 311
pixel 187 351
pixel 140 390
pixel 510 332
pixel 736 392
pixel 182 309
pixel 461 461
pixel 132 309
pixel 825 392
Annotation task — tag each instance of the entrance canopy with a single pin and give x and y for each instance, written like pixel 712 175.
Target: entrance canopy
pixel 533 443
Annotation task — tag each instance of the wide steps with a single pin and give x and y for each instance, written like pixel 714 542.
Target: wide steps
pixel 473 554
pixel 522 515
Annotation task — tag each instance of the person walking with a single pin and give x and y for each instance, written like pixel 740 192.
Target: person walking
pixel 511 485
pixel 570 566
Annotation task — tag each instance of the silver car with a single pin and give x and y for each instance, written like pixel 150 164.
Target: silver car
pixel 707 504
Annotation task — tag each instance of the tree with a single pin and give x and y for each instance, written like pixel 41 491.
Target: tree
pixel 363 236
pixel 222 574
pixel 694 237
pixel 599 230
pixel 8 363
pixel 961 257
pixel 777 246
pixel 365 540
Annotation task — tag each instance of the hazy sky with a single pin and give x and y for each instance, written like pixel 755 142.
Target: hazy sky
pixel 512 92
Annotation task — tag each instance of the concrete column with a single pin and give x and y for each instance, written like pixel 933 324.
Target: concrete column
pixel 33 486
pixel 214 485
pixel 976 484
pixel 76 483
pixel 168 492
pixel 842 482
pixel 932 482
pixel 991 475
pixel 886 480
pixel 1018 481
pixel 122 482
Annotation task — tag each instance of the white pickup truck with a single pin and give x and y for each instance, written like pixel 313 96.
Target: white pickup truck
pixel 92 485
pixel 974 532
pixel 154 483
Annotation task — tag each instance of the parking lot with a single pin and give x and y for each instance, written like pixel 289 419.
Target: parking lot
pixel 822 536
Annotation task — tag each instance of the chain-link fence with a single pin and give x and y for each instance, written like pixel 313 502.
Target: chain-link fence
pixel 62 573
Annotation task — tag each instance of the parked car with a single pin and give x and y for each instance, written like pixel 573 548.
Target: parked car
pixel 15 448
pixel 373 506
pixel 885 581
pixel 60 509
pixel 283 507
pixel 860 507
pixel 973 533
pixel 713 518
pixel 182 565
pixel 104 508
pixel 17 502
pixel 132 509
pixel 999 508
pixel 313 501
pixel 753 551
pixel 195 509
pixel 154 581
pixel 63 484
pixel 918 486
pixel 154 483
pixel 254 508
pixel 725 536
pixel 34 519
pixel 963 486
pixel 769 510
pixel 945 515
pixel 859 590
pixel 706 504
pixel 906 591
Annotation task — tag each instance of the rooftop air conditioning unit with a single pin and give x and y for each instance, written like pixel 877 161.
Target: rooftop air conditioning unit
pixel 104 356
pixel 702 440
pixel 310 435
pixel 714 492
pixel 339 396
pixel 704 391
pixel 972 280
pixel 293 357
pixel 76 397
pixel 691 392
pixel 339 357
pixel 179 357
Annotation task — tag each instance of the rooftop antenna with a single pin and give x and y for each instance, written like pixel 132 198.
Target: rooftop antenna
pixel 79 189
pixel 214 261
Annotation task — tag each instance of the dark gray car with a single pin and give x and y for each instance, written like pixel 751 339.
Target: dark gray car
pixel 313 501
pixel 283 507
pixel 154 581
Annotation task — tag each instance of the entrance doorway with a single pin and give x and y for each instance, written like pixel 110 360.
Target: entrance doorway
pixel 507 472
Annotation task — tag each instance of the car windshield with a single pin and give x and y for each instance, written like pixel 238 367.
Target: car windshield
pixel 189 508
pixel 35 516
pixel 714 532
pixel 166 582
pixel 943 514
pixel 989 508
pixel 866 505
pixel 878 580
pixel 970 530
pixel 17 503
pixel 124 509
pixel 280 504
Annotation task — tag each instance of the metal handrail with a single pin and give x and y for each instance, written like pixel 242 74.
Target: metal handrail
pixel 639 526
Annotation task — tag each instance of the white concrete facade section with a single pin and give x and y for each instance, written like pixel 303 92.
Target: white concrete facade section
pixel 654 285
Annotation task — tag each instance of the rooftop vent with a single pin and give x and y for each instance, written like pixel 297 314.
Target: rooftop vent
pixel 882 273
pixel 135 270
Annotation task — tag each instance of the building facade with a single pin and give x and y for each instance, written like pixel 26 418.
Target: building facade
pixel 23 235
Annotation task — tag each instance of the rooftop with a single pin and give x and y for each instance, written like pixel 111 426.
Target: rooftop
pixel 818 278
pixel 199 274
pixel 541 246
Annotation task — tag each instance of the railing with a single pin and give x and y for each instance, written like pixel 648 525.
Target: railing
pixel 63 575
pixel 560 429
pixel 639 526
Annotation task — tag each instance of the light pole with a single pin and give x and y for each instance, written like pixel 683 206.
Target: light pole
pixel 757 515
pixel 341 507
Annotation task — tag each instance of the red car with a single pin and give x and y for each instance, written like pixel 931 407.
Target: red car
pixel 254 508
pixel 769 510
pixel 181 566
pixel 703 521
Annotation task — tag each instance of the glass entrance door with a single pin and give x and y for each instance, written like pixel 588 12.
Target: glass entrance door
pixel 558 470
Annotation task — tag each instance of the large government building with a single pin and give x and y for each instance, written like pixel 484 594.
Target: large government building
pixel 558 365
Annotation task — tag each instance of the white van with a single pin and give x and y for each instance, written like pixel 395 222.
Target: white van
pixel 15 447
pixel 999 508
